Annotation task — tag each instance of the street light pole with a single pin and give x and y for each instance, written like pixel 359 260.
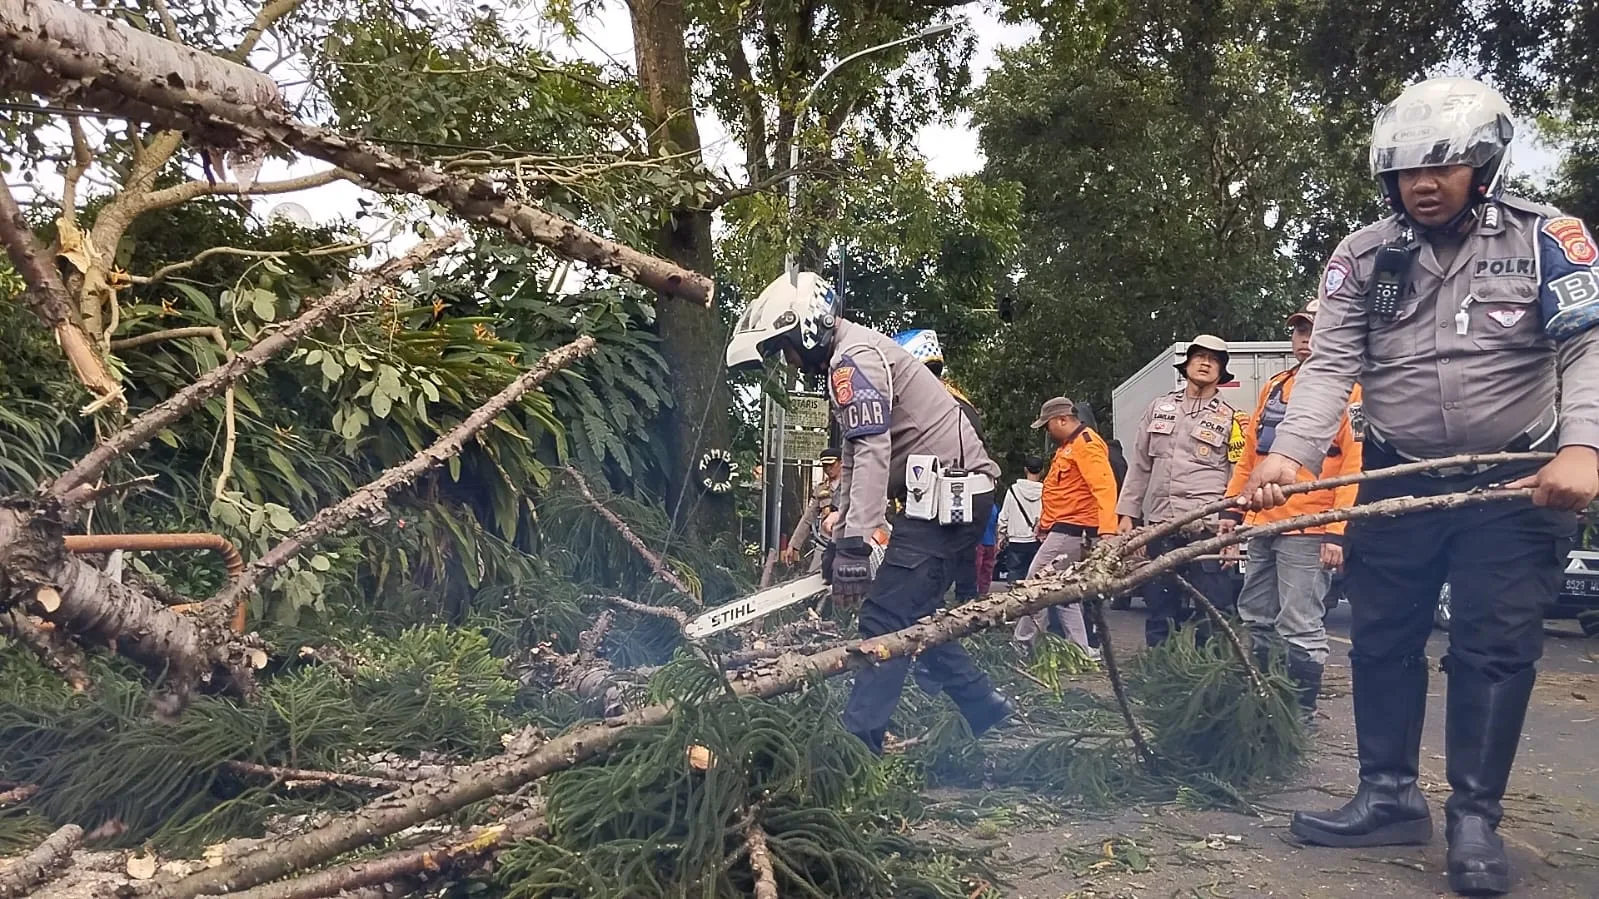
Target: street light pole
pixel 772 522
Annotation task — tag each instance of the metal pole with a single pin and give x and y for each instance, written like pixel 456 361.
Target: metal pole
pixel 791 265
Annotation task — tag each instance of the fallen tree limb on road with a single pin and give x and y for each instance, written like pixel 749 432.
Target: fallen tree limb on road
pixel 224 119
pixel 25 874
pixel 1099 575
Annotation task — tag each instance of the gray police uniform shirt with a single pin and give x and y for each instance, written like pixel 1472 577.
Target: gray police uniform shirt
pixel 1180 459
pixel 889 406
pixel 1480 344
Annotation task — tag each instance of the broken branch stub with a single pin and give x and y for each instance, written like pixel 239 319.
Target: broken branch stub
pixel 429 799
pixel 133 90
pixel 72 488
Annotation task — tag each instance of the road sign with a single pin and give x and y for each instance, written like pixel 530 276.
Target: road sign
pixel 803 446
pixel 807 411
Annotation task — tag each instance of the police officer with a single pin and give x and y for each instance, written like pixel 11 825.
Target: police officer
pixel 1467 316
pixel 1181 460
pixel 1285 588
pixel 888 407
pixel 821 503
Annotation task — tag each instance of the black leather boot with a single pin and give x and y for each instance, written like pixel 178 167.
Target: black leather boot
pixel 986 712
pixel 1388 809
pixel 1306 674
pixel 1481 733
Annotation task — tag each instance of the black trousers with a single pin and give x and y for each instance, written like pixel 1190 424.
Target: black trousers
pixel 965 573
pixel 921 563
pixel 1502 561
pixel 1170 606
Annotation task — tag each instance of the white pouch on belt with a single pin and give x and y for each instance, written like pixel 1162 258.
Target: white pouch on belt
pixel 921 487
pixel 957 489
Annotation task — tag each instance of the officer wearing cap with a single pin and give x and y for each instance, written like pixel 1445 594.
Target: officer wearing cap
pixel 1468 318
pixel 1289 574
pixel 1180 461
pixel 889 407
pixel 821 502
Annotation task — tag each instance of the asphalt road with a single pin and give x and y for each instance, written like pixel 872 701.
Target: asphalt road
pixel 1551 825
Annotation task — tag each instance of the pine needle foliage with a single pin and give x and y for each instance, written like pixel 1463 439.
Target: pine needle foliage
pixel 105 757
pixel 666 814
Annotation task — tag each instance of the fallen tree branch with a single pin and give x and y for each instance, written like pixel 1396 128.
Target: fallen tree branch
pixel 54 649
pixel 167 271
pixel 138 340
pixel 430 860
pixel 506 773
pixel 18 794
pixel 589 642
pixel 48 298
pixel 373 498
pixel 760 859
pixel 672 613
pixel 70 488
pixel 1227 630
pixel 1107 654
pixel 1146 535
pixel 25 874
pixel 124 87
pixel 293 777
pixel 657 564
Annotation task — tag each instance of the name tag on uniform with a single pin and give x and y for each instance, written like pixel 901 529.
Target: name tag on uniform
pixel 1162 426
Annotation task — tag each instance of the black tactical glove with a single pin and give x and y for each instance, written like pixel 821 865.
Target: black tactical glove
pixel 851 568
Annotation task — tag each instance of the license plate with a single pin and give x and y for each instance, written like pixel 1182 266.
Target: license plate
pixel 1581 586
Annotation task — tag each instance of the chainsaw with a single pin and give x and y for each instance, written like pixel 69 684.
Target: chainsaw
pixel 761 603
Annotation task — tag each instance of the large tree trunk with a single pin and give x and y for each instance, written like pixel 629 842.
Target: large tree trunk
pixel 692 336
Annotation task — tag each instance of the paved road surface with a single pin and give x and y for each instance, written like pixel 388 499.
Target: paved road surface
pixel 1552 812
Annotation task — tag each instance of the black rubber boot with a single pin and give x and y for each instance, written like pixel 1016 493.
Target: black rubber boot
pixel 1480 739
pixel 987 712
pixel 1388 809
pixel 1306 675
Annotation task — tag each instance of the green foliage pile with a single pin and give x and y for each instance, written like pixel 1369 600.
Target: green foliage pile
pixel 106 757
pixel 650 822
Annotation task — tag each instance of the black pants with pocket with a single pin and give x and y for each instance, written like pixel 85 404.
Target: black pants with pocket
pixel 1170 606
pixel 921 563
pixel 1503 562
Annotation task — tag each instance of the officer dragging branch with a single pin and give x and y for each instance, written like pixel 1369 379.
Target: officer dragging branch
pixel 904 438
pixel 1464 315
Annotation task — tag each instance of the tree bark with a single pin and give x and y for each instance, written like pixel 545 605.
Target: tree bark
pixel 1101 574
pixel 130 88
pixel 27 873
pixel 692 337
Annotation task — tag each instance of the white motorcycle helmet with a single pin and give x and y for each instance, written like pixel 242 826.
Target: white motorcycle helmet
pixel 1443 121
pixel 795 315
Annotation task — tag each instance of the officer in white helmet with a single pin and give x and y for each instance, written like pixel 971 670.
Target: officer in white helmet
pixel 904 437
pixel 1468 319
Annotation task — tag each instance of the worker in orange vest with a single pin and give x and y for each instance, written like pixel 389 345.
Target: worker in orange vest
pixel 1288 575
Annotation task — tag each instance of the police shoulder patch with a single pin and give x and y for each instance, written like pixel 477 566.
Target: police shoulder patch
pixel 843 384
pixel 1337 273
pixel 1574 240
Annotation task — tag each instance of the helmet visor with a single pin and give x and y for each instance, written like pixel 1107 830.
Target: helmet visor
pixel 1441 122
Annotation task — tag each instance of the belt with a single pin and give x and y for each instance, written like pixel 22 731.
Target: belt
pixel 1538 436
pixel 1073 530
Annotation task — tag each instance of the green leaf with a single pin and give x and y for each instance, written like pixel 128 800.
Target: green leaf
pixel 381 404
pixel 332 370
pixel 201 302
pixel 264 304
pixel 281 518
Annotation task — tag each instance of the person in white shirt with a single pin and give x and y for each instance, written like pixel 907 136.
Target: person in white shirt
pixel 1018 521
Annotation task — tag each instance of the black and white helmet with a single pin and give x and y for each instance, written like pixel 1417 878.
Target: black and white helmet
pixel 800 313
pixel 1443 121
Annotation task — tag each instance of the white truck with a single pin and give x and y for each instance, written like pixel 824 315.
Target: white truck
pixel 1252 364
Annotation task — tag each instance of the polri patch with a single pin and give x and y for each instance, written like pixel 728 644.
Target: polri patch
pixel 1573 237
pixel 1520 265
pixel 1337 273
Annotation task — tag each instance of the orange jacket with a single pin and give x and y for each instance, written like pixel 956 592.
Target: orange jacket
pixel 1344 457
pixel 1080 487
